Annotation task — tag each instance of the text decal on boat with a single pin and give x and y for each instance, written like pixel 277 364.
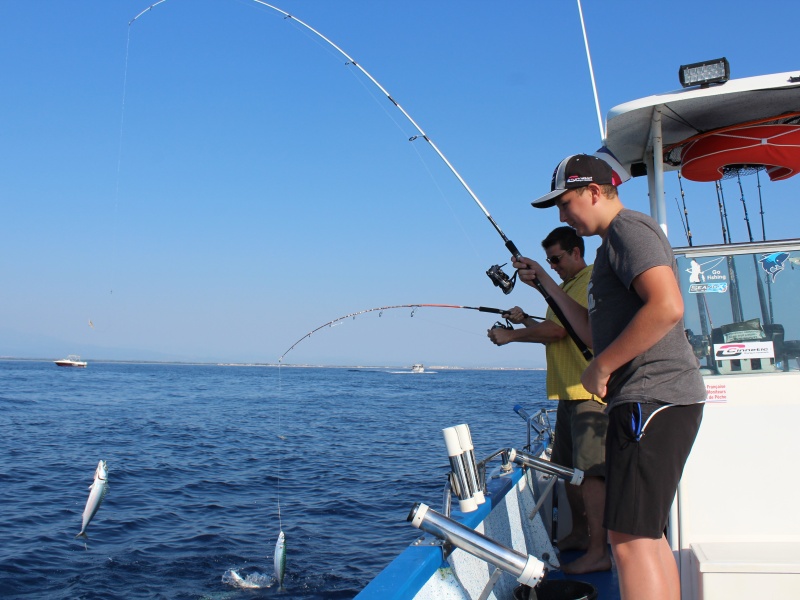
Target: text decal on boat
pixel 744 350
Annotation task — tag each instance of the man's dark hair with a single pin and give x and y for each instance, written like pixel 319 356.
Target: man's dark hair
pixel 566 237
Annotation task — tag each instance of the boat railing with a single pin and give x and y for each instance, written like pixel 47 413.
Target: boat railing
pixel 500 473
pixel 538 422
pixel 451 534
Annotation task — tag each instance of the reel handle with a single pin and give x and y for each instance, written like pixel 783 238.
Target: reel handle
pixel 587 354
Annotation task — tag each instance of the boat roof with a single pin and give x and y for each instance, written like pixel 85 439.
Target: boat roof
pixel 690 111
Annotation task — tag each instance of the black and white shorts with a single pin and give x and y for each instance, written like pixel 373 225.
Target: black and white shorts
pixel 646 450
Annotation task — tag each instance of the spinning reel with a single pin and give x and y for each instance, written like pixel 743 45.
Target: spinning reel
pixel 500 279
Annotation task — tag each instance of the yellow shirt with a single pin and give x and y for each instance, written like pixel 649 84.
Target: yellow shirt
pixel 565 363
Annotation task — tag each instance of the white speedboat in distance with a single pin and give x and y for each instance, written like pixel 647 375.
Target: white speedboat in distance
pixel 415 368
pixel 73 360
pixel 733 527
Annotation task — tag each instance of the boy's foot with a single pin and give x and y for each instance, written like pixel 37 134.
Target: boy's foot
pixel 587 564
pixel 573 542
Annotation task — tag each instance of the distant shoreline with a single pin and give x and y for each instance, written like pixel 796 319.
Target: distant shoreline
pixel 273 365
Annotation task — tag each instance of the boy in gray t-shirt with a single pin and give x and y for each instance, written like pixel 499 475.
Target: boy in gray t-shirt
pixel 666 372
pixel 643 367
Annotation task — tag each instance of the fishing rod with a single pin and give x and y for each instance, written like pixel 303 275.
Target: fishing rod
pixel 495 272
pixel 687 229
pixel 702 303
pixel 413 307
pixel 723 213
pixel 766 306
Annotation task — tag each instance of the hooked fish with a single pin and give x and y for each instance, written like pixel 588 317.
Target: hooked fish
pixel 280 558
pixel 98 490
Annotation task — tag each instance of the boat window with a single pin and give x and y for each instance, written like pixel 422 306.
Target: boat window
pixel 741 306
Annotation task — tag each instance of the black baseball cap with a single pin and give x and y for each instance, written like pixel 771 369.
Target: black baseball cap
pixel 577 171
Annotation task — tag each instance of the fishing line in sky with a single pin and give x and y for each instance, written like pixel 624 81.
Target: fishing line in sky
pixel 350 61
pixel 413 307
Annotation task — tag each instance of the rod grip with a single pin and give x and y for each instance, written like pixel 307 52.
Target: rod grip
pixel 513 249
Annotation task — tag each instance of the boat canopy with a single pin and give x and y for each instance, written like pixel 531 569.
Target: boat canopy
pixel 688 112
pixel 655 126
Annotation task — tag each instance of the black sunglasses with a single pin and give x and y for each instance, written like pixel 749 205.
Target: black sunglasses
pixel 554 260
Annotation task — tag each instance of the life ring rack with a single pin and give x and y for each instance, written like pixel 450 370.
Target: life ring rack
pixel 772 143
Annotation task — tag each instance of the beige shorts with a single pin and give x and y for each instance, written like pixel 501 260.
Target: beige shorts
pixel 581 436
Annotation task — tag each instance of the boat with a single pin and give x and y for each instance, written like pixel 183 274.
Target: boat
pixel 73 360
pixel 415 368
pixel 732 525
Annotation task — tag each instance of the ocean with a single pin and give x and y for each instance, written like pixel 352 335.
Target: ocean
pixel 201 456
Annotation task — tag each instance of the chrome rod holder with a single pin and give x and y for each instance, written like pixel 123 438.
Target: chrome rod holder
pixel 522 458
pixel 465 479
pixel 528 570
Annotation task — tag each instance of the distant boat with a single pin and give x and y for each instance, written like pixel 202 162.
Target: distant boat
pixel 415 368
pixel 73 360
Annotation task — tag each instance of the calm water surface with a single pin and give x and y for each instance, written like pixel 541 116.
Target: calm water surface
pixel 199 457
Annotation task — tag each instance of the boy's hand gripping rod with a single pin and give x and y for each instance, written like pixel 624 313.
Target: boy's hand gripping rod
pixel 587 354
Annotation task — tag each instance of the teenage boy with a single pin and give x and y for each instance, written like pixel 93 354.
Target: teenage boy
pixel 643 367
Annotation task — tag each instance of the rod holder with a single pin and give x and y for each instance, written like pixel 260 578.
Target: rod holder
pixel 471 466
pixel 528 570
pixel 464 478
pixel 525 459
pixel 518 408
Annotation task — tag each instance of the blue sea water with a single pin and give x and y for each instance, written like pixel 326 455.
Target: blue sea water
pixel 199 457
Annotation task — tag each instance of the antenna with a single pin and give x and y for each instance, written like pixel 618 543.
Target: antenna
pixel 591 74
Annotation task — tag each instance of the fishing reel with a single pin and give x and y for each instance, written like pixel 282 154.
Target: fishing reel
pixel 499 325
pixel 500 279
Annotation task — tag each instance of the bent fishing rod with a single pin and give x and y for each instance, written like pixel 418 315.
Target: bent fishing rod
pixel 495 273
pixel 413 307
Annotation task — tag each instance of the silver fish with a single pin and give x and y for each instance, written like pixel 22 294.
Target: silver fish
pixel 280 558
pixel 98 490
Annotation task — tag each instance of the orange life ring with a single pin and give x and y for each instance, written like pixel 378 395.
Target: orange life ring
pixel 777 147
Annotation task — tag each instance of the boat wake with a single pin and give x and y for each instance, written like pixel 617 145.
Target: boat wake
pixel 251 581
pixel 412 372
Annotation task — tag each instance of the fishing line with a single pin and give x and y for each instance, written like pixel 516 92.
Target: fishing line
pixel 112 274
pixel 421 159
pixel 510 246
pixel 369 91
pixel 380 104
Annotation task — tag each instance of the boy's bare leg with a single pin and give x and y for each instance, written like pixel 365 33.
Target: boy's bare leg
pixel 646 567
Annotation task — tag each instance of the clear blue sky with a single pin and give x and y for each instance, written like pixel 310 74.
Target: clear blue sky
pixel 254 187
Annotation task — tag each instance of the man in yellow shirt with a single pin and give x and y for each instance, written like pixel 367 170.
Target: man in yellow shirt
pixel 581 421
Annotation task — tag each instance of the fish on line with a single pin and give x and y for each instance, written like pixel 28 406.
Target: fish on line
pixel 97 491
pixel 280 559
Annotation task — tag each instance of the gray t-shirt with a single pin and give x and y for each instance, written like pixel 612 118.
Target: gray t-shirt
pixel 667 372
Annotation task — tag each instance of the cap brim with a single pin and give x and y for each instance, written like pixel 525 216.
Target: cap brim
pixel 547 200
